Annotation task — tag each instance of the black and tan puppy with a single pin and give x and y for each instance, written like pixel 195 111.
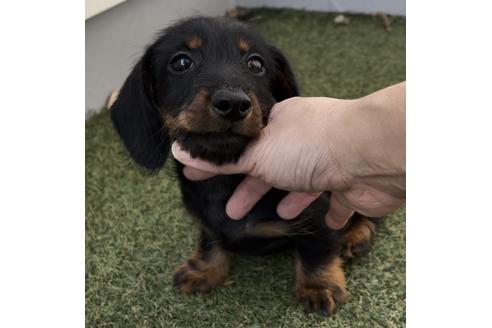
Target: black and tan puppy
pixel 210 83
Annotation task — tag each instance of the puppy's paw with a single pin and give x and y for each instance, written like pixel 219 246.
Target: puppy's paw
pixel 358 238
pixel 195 276
pixel 321 299
pixel 351 250
pixel 203 271
pixel 321 289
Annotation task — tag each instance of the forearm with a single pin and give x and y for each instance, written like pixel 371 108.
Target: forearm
pixel 354 148
pixel 378 122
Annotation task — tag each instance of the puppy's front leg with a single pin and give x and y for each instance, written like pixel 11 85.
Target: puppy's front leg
pixel 358 236
pixel 320 280
pixel 205 269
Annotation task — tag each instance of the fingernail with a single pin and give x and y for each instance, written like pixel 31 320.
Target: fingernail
pixel 230 209
pixel 334 224
pixel 177 151
pixel 186 172
pixel 287 212
pixel 232 215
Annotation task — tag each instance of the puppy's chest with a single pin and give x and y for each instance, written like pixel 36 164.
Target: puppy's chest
pixel 207 201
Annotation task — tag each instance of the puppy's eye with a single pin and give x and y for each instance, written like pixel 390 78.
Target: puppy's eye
pixel 180 63
pixel 255 64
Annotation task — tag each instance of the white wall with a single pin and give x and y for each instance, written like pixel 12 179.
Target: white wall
pixel 114 40
pixel 95 7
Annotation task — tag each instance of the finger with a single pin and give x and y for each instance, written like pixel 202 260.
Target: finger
pixel 294 203
pixel 338 214
pixel 246 195
pixel 195 174
pixel 185 158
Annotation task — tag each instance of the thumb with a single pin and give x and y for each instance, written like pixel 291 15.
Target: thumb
pixel 338 214
pixel 204 166
pixel 280 106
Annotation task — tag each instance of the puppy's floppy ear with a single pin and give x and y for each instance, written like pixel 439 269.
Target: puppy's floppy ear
pixel 283 82
pixel 137 119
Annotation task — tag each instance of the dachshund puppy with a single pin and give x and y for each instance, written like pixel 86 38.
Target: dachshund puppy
pixel 210 83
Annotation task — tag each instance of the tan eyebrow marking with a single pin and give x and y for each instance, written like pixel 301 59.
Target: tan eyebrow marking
pixel 194 42
pixel 243 45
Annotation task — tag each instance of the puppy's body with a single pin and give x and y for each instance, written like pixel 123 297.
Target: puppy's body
pixel 210 83
pixel 262 231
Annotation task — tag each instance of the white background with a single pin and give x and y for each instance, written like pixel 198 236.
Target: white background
pixel 42 164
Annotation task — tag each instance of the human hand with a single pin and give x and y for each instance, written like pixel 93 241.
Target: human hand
pixel 328 155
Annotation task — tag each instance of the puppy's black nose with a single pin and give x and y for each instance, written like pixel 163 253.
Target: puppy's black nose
pixel 231 105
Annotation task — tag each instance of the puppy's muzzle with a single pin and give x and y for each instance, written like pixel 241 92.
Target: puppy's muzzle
pixel 231 104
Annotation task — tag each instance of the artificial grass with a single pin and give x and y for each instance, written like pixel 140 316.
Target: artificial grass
pixel 137 231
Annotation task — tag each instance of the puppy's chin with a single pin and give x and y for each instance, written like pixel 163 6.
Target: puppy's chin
pixel 215 147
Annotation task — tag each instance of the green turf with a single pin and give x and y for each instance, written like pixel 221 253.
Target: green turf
pixel 137 232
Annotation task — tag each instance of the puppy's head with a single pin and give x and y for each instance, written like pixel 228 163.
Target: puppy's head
pixel 207 82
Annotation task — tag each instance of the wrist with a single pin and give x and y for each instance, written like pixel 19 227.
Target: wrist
pixel 377 124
